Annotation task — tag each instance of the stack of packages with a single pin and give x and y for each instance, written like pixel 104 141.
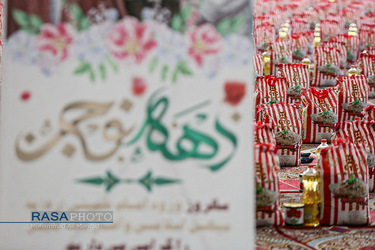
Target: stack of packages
pixel 315 74
pixel 267 167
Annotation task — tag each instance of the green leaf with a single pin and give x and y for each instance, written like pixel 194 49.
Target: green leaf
pixel 175 75
pixel 237 22
pixel 21 18
pixel 164 72
pixel 111 181
pixel 153 65
pixel 184 69
pixel 103 73
pixel 36 22
pixel 147 181
pixel 177 23
pixel 186 12
pixel 93 181
pixel 224 26
pixel 76 11
pixel 82 68
pixel 164 181
pixel 85 23
pixel 92 75
pixel 112 64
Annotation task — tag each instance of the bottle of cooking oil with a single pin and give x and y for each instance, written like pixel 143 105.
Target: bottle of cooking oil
pixel 306 61
pixel 311 196
pixel 353 71
pixel 266 56
pixel 322 145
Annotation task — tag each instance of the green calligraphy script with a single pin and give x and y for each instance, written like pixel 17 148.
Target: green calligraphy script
pixel 156 109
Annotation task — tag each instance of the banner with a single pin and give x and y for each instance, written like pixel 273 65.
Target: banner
pixel 125 135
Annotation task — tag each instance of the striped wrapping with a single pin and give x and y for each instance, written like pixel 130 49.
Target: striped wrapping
pixel 352 47
pixel 298 42
pixel 263 133
pixel 258 64
pixel 299 25
pixel 360 132
pixel 340 21
pixel 336 165
pixel 366 64
pixel 369 113
pixel 295 75
pixel 366 36
pixel 351 89
pixel 323 56
pixel 283 116
pixel 266 173
pixel 259 20
pixel 371 50
pixel 329 28
pixel 279 49
pixel 343 52
pixel 315 102
pixel 264 33
pixel 270 88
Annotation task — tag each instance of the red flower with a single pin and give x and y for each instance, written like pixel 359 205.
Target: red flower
pixel 55 40
pixel 130 39
pixel 139 86
pixel 234 92
pixel 203 41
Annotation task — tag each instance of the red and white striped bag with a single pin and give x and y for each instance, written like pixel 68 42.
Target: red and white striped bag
pixel 299 47
pixel 297 77
pixel 352 47
pixel 264 34
pixel 369 113
pixel 263 133
pixel 360 132
pixel 299 25
pixel 327 66
pixel 329 28
pixel 258 65
pixel 270 89
pixel 280 53
pixel 319 114
pixel 339 19
pixel 353 97
pixel 259 20
pixel 366 64
pixel 312 16
pixel 366 37
pixel 371 50
pixel 344 183
pixel 267 167
pixel 286 121
pixel 334 43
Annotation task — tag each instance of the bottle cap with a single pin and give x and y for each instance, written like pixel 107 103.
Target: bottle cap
pixel 324 140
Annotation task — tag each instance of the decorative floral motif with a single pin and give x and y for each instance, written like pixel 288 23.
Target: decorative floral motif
pixel 172 46
pixel 89 45
pixel 203 41
pixel 99 47
pixel 234 92
pixel 236 51
pixel 130 39
pixel 55 40
pixel 22 47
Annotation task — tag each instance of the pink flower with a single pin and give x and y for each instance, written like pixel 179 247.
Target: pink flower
pixel 204 40
pixel 130 39
pixel 55 40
